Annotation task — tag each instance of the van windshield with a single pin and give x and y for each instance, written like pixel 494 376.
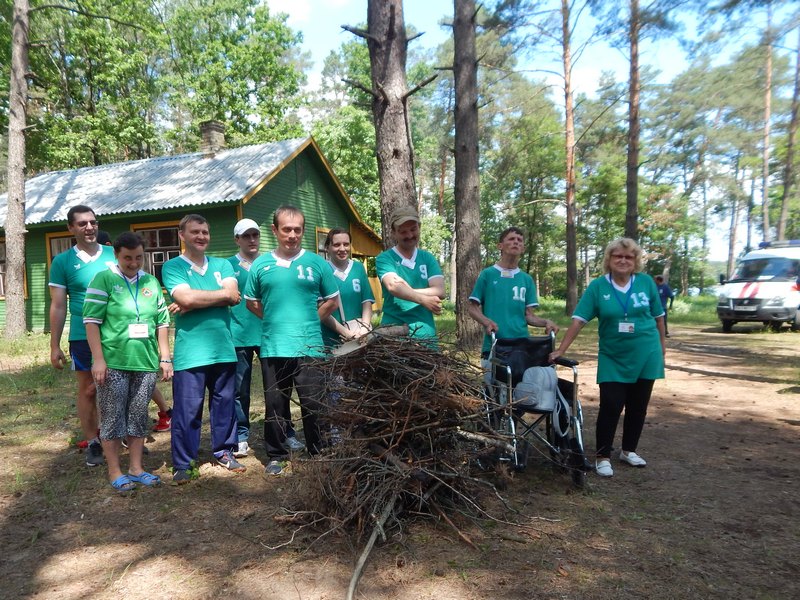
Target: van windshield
pixel 775 268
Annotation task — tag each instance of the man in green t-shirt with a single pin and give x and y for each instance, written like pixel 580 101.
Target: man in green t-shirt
pixel 70 274
pixel 411 279
pixel 204 288
pixel 246 331
pixel 504 297
pixel 292 291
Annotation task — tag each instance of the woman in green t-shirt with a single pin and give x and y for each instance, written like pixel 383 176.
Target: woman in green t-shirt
pixel 353 318
pixel 127 324
pixel 631 348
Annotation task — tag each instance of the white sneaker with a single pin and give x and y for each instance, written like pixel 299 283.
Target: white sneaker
pixel 242 450
pixel 632 459
pixel 603 467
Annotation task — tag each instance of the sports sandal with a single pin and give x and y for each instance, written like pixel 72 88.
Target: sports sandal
pixel 145 478
pixel 123 484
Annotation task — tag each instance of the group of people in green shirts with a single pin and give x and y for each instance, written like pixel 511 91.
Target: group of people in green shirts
pixel 289 307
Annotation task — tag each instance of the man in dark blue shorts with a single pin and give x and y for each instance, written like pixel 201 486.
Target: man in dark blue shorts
pixel 70 274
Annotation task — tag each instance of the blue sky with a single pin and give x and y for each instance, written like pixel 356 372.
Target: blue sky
pixel 321 21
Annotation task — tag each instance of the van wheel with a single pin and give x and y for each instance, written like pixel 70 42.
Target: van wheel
pixel 796 322
pixel 727 325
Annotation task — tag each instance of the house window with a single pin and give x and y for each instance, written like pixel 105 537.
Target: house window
pixel 160 245
pixel 322 235
pixel 60 244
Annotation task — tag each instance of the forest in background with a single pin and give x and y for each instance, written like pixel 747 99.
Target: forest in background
pixel 115 80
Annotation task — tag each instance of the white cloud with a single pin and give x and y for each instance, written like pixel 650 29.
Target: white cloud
pixel 299 11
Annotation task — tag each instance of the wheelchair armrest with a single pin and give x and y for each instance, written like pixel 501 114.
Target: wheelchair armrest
pixel 566 362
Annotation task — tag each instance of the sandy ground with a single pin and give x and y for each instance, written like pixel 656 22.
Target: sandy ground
pixel 714 515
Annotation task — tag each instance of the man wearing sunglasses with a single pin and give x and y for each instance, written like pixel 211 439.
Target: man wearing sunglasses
pixel 70 274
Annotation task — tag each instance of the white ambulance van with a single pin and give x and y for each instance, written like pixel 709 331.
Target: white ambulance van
pixel 764 287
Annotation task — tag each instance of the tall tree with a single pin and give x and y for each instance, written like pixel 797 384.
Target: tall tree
pixel 569 146
pixel 467 191
pixel 231 61
pixel 636 21
pixel 634 90
pixel 788 167
pixel 15 213
pixel 388 46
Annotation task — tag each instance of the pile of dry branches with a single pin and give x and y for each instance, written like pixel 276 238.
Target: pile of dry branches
pixel 402 418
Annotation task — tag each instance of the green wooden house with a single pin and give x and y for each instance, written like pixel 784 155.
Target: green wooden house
pixel 150 196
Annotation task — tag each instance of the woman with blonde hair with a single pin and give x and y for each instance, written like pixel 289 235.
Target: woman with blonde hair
pixel 631 348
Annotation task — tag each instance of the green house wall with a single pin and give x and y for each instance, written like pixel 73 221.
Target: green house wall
pixel 304 182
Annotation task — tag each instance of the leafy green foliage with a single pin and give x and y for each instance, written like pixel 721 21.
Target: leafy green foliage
pixel 347 138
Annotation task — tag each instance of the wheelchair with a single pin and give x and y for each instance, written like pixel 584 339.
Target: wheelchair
pixel 540 411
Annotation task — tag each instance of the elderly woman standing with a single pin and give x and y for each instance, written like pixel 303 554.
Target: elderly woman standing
pixel 127 329
pixel 631 347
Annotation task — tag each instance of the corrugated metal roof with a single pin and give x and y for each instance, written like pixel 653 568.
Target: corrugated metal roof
pixel 153 183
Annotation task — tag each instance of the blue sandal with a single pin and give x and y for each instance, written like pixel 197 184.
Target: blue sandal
pixel 145 478
pixel 123 484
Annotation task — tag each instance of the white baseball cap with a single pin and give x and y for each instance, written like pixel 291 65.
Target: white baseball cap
pixel 245 225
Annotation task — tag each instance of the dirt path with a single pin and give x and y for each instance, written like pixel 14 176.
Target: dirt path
pixel 714 515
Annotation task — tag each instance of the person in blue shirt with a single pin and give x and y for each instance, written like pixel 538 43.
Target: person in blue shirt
pixel 665 294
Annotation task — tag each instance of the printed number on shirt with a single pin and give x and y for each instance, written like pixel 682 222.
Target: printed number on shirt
pixel 218 277
pixel 308 274
pixel 356 285
pixel 423 271
pixel 640 299
pixel 519 293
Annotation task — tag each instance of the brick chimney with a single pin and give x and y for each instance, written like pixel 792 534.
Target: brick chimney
pixel 212 138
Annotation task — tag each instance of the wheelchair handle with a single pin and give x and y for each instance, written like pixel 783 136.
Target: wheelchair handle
pixel 566 362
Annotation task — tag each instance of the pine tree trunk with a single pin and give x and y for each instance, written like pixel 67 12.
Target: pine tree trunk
pixel 788 168
pixel 387 43
pixel 569 198
pixel 15 216
pixel 467 191
pixel 632 173
pixel 767 119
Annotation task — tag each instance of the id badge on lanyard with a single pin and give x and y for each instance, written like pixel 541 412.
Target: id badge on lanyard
pixel 625 327
pixel 138 331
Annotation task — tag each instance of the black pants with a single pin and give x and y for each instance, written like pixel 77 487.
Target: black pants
pixel 280 376
pixel 614 396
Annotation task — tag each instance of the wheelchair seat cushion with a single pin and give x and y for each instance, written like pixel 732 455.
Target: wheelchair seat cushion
pixel 537 390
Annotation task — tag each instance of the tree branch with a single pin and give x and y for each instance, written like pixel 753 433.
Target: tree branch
pixel 413 37
pixel 361 33
pixel 361 87
pixel 81 12
pixel 419 86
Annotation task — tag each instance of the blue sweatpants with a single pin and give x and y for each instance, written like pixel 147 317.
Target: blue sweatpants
pixel 188 392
